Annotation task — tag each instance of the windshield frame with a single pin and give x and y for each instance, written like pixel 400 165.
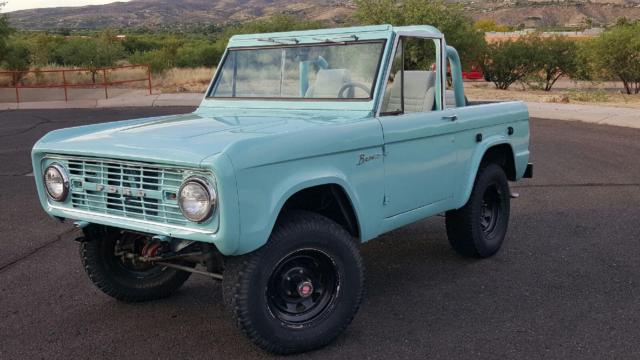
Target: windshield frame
pixel 229 50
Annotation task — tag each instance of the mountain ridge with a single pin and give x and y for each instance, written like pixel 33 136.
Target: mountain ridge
pixel 185 13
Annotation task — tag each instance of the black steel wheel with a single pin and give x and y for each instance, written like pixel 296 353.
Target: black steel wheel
pixel 490 209
pixel 478 228
pixel 300 290
pixel 122 278
pixel 302 286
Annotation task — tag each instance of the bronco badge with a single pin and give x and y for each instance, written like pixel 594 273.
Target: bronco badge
pixel 366 158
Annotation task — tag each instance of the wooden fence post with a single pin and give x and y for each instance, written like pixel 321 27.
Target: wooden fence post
pixel 149 76
pixel 104 79
pixel 64 84
pixel 15 83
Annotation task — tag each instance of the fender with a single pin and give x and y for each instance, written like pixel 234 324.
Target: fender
pixel 326 180
pixel 259 207
pixel 474 165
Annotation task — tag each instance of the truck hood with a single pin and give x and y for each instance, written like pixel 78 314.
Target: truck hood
pixel 184 139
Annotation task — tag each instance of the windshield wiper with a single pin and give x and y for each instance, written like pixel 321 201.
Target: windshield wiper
pixel 281 41
pixel 339 39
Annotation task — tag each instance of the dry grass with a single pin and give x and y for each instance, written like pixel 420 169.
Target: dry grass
pixel 606 94
pixel 178 80
pixel 171 81
pixel 77 77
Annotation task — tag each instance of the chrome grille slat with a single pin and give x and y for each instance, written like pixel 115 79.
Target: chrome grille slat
pixel 99 202
pixel 132 176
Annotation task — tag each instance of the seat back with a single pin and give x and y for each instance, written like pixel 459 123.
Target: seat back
pixel 419 92
pixel 328 83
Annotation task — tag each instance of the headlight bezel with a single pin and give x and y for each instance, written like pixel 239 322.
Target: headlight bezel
pixel 65 181
pixel 212 197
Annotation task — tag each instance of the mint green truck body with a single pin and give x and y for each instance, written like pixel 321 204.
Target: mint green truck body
pixel 390 170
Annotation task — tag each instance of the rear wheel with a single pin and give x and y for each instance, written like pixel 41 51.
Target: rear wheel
pixel 479 227
pixel 300 290
pixel 122 278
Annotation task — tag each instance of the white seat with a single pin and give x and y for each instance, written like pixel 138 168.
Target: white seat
pixel 419 92
pixel 328 83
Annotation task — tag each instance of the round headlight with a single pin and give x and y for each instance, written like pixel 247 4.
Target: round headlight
pixel 56 182
pixel 197 199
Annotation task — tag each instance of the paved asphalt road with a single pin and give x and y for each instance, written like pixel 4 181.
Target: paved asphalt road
pixel 565 284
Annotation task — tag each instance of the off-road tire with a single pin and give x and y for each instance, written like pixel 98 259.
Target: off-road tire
pixel 464 225
pixel 247 284
pixel 97 254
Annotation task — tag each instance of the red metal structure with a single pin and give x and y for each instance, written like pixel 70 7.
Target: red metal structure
pixel 64 84
pixel 473 74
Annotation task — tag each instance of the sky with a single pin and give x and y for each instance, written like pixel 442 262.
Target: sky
pixel 13 5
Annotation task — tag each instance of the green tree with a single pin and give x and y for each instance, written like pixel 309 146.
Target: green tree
pixel 506 62
pixel 198 54
pixel 276 23
pixel 5 31
pixel 140 43
pixel 90 53
pixel 447 17
pixel 616 54
pixel 156 59
pixel 110 49
pixel 16 58
pixel 42 47
pixel 78 52
pixel 552 58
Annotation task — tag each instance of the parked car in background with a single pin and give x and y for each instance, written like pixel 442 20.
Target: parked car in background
pixel 473 74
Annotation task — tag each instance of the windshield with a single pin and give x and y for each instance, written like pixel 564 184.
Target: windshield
pixel 321 71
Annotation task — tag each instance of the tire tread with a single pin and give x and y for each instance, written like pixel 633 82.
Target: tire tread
pixel 236 284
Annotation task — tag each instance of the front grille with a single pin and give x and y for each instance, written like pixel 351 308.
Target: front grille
pixel 127 189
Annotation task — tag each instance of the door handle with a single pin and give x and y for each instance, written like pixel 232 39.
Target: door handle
pixel 450 117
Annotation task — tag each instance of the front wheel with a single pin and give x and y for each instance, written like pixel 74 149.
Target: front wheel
pixel 479 227
pixel 121 278
pixel 300 290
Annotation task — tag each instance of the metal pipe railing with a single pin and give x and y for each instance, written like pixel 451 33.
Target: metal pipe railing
pixel 16 75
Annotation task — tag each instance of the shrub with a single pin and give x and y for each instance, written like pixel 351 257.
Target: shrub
pixel 507 62
pixel 551 59
pixel 156 59
pixel 42 47
pixel 201 54
pixel 75 52
pixel 16 58
pixel 489 25
pixel 5 31
pixel 280 22
pixel 133 44
pixel 88 52
pixel 616 54
pixel 92 53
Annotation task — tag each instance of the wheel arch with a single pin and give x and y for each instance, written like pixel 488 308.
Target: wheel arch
pixel 300 195
pixel 494 150
pixel 330 200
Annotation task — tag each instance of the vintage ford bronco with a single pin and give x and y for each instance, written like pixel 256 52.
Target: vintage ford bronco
pixel 306 144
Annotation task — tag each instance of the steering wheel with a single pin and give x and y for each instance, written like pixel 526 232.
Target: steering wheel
pixel 351 85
